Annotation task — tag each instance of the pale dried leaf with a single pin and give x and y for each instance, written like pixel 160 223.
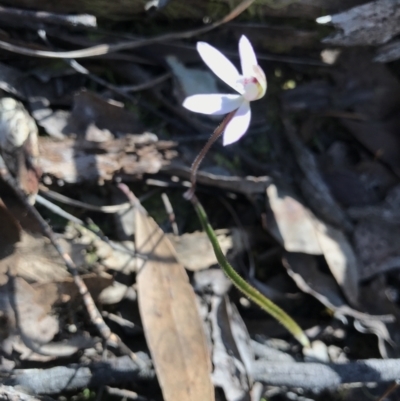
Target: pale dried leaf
pixel 173 328
pixel 195 251
pixel 341 259
pixel 27 312
pixel 212 280
pixel 118 257
pixel 299 230
pixel 67 291
pixel 47 265
pixel 113 294
pixel 295 231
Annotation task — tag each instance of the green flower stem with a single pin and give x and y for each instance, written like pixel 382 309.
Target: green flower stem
pixel 274 310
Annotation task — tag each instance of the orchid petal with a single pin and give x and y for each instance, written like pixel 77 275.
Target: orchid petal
pixel 219 65
pixel 213 104
pixel 248 58
pixel 239 124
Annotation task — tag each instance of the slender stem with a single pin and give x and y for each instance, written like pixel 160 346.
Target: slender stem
pixel 197 161
pixel 274 310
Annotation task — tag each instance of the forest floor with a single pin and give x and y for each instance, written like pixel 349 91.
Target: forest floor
pixel 109 286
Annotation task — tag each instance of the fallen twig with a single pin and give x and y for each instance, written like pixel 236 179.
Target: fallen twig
pixel 389 391
pixel 247 185
pixel 133 44
pixel 320 376
pixel 309 376
pixel 40 17
pixel 148 84
pixel 171 215
pixel 124 394
pixel 72 202
pixel 82 70
pixel 74 377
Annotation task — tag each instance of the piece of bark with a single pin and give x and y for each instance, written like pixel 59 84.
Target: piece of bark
pixel 76 161
pixel 388 52
pixel 370 24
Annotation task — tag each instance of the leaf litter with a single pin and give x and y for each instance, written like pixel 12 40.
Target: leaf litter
pixel 309 212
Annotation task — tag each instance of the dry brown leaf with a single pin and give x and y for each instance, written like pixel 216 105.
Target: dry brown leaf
pixel 67 291
pixel 299 230
pixel 173 328
pixel 19 144
pixel 303 269
pixel 27 314
pixel 47 265
pixel 10 235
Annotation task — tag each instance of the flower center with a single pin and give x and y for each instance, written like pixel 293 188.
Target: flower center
pixel 251 88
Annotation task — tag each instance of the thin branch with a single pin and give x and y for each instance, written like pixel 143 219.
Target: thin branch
pixel 389 391
pixel 72 202
pixel 148 84
pixel 135 44
pixel 82 20
pixel 171 215
pixel 123 393
pixel 82 227
pixel 116 89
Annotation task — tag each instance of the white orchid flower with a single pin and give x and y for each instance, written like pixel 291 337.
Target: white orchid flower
pixel 251 85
